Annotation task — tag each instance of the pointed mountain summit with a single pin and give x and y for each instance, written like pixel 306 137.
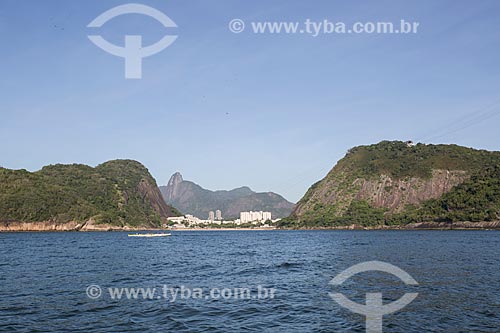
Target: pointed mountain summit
pixel 175 179
pixel 171 190
pixel 191 198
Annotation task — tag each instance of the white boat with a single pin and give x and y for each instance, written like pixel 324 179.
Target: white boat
pixel 149 235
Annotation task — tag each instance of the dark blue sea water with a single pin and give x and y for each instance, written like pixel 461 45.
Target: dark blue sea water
pixel 44 278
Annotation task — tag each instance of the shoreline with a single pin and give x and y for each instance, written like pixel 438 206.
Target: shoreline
pixel 465 225
pixel 224 229
pixel 91 226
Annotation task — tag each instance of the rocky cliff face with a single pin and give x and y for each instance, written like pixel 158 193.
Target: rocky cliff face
pixel 383 191
pixel 174 188
pixel 151 195
pixel 190 198
pixel 396 194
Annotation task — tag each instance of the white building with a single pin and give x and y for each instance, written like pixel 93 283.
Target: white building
pixel 251 216
pixel 190 219
pixel 176 219
pixel 211 216
pixel 218 215
pixel 266 216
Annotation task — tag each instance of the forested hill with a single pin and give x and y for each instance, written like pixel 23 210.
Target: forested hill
pixel 393 182
pixel 119 192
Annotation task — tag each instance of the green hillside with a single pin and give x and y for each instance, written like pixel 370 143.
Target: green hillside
pixel 393 183
pixel 120 192
pixel 396 159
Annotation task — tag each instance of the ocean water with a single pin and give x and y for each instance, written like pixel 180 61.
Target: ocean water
pixel 44 279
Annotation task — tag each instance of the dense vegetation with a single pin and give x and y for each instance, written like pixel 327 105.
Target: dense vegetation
pixel 108 193
pixel 476 199
pixel 393 158
pixel 359 213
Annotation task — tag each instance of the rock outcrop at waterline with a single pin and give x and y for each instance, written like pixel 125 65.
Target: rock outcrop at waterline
pixel 465 225
pixel 45 226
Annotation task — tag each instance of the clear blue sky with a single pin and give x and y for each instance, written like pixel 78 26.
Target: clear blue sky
pixel 274 112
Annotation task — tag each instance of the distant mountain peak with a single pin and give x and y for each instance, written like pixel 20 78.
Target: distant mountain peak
pixel 175 180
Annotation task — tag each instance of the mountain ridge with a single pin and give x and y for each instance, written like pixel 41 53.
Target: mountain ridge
pixel 191 198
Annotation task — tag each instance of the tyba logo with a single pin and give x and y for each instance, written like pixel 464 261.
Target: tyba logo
pixel 132 51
